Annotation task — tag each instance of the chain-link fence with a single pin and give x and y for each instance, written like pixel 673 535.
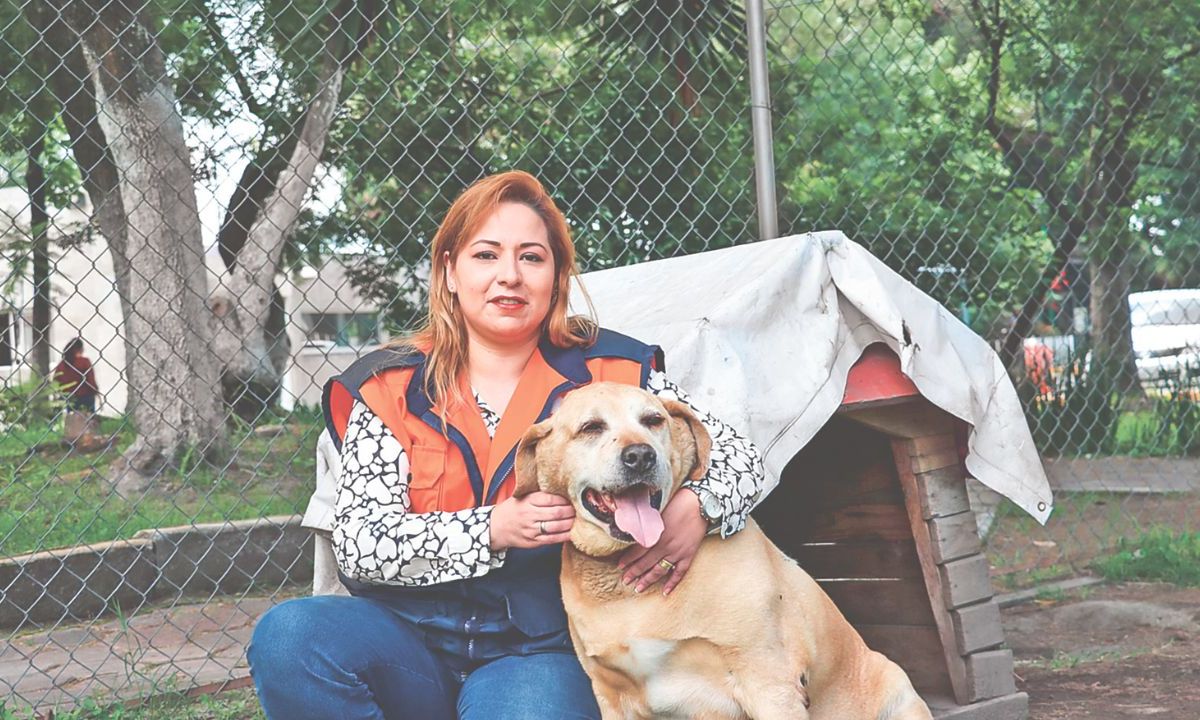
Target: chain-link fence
pixel 1033 167
pixel 227 202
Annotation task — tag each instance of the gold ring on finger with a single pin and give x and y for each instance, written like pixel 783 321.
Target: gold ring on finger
pixel 666 564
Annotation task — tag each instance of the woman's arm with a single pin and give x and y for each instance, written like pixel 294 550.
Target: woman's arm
pixel 735 474
pixel 375 537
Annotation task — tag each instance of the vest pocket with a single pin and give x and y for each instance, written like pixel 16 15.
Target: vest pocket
pixel 425 489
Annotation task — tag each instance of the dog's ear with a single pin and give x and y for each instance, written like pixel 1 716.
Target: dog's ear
pixel 690 436
pixel 526 462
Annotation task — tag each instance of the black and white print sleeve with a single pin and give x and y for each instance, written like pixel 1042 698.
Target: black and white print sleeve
pixel 375 537
pixel 735 473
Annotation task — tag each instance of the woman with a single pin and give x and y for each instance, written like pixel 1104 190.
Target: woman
pixel 455 608
pixel 76 378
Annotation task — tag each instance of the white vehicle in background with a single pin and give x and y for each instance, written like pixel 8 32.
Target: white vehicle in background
pixel 1166 332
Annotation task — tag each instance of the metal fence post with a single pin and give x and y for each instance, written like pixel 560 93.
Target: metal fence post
pixel 760 116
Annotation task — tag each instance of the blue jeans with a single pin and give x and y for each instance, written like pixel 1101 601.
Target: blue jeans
pixel 351 657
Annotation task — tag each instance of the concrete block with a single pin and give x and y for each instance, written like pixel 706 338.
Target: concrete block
pixel 232 557
pixel 77 583
pixel 1009 707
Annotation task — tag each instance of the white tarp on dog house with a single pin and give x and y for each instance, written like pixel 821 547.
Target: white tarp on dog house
pixel 763 335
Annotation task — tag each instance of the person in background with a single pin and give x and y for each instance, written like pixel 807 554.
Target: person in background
pixel 76 378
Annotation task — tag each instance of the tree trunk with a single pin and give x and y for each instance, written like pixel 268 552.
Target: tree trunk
pixel 258 180
pixel 147 213
pixel 172 363
pixel 1112 343
pixel 242 304
pixel 39 222
pixel 686 91
pixel 1114 172
pixel 72 86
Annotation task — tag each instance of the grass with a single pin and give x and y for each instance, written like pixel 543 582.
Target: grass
pixel 229 705
pixel 1138 433
pixel 1083 527
pixel 1158 554
pixel 51 497
pixel 1065 661
pixel 1051 595
pixel 1145 433
pixel 1068 506
pixel 1074 411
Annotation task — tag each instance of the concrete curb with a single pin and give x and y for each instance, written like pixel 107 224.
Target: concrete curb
pixel 1030 594
pixel 89 581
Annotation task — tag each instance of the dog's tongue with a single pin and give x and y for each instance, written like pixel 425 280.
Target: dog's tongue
pixel 635 516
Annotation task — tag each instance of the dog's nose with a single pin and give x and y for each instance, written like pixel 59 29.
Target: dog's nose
pixel 638 458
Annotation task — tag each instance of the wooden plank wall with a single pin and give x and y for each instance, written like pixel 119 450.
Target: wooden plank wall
pixel 839 511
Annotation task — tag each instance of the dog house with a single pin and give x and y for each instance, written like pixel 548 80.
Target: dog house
pixel 875 508
pixel 869 401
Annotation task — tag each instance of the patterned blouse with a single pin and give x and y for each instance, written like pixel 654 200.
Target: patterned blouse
pixel 376 539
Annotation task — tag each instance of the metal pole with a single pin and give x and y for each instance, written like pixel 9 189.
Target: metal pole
pixel 760 118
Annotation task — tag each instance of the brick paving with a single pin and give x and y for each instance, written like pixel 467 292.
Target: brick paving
pixel 163 649
pixel 1124 474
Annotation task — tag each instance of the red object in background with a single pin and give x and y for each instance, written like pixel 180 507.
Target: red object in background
pixel 77 377
pixel 1060 282
pixel 1038 360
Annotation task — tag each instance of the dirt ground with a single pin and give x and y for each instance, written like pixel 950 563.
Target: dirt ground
pixel 1128 650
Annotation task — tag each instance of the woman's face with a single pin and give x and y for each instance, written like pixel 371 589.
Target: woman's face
pixel 504 277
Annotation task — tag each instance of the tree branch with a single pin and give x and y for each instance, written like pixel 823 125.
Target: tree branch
pixel 230 60
pixel 241 334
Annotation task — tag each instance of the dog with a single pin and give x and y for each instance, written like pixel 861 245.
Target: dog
pixel 746 634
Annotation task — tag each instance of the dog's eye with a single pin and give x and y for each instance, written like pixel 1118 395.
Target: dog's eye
pixel 653 421
pixel 592 427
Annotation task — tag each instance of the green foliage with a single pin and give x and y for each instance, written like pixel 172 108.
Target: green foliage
pixel 31 405
pixel 462 92
pixel 1170 427
pixel 880 139
pixel 633 112
pixel 1179 411
pixel 1159 554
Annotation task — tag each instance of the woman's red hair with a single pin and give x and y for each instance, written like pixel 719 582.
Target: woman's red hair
pixel 444 336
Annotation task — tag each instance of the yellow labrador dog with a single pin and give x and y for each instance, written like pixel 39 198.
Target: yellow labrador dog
pixel 747 634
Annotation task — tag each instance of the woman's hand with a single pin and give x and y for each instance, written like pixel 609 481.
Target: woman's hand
pixel 532 521
pixel 683 530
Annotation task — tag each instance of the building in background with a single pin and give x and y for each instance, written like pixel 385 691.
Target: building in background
pixel 83 298
pixel 329 324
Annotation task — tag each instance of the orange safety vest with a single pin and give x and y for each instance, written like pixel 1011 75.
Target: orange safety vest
pixel 458 466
